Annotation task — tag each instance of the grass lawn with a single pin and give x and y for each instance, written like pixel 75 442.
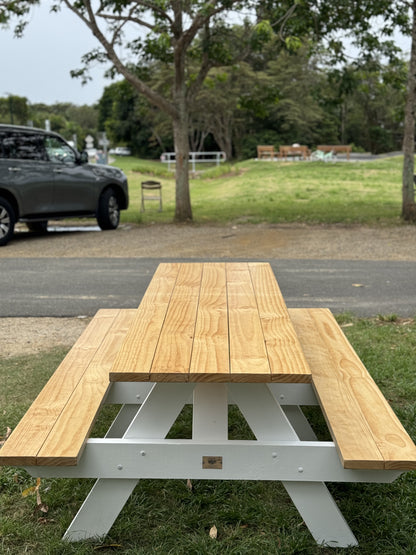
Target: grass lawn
pixel 252 191
pixel 165 517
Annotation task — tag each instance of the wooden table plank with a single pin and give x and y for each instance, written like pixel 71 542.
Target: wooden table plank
pixel 210 355
pixel 347 425
pixel 134 361
pixel 212 322
pixel 174 350
pixel 286 358
pixel 51 401
pixel 248 357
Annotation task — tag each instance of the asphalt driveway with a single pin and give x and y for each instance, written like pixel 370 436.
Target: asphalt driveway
pixel 58 287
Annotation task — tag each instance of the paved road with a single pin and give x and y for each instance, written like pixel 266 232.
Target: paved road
pixel 80 286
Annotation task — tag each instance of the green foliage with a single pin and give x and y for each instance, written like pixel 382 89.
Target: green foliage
pixel 14 109
pixel 16 12
pixel 65 118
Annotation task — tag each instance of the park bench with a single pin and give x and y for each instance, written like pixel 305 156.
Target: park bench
pixel 265 152
pixel 298 151
pixel 336 149
pixel 212 334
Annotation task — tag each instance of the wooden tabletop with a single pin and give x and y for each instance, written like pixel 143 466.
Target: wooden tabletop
pixel 212 322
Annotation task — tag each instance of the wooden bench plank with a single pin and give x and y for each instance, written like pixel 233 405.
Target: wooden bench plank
pixel 210 359
pixel 65 443
pixel 23 446
pixel 286 358
pixel 366 430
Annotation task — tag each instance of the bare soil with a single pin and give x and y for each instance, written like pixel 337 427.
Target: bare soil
pixel 263 241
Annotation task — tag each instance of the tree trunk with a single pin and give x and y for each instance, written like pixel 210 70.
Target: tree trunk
pixel 183 210
pixel 408 190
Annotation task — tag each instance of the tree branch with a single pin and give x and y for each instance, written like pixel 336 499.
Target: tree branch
pixel 91 22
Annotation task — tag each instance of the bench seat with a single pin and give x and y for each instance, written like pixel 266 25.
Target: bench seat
pixel 366 431
pixel 54 430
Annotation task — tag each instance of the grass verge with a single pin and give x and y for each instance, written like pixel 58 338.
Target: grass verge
pixel 164 516
pixel 276 192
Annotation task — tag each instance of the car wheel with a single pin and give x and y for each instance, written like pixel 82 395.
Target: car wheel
pixel 108 216
pixel 7 221
pixel 38 227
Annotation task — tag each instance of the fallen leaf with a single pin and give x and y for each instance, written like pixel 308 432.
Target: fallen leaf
pixel 28 491
pixel 3 439
pixel 213 533
pixel 44 520
pixel 42 507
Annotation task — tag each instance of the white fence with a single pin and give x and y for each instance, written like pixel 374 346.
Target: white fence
pixel 169 158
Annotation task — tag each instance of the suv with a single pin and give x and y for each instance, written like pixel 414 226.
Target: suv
pixel 43 177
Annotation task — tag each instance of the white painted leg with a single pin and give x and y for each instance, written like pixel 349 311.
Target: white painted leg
pixel 122 421
pixel 321 514
pixel 210 412
pixel 299 423
pixel 159 410
pixel 100 509
pixel 263 413
pixel 312 499
pixel 153 419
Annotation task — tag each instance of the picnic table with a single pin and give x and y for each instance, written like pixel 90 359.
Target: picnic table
pixel 211 334
pixel 335 149
pixel 300 151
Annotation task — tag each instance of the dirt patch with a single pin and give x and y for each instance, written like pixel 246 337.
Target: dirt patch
pixel 26 336
pixel 262 241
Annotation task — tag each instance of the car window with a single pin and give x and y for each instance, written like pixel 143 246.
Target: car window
pixel 58 151
pixel 21 146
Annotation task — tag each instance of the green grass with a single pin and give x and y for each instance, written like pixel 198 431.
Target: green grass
pixel 165 517
pixel 251 191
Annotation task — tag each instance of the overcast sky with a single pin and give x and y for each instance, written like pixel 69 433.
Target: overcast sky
pixel 38 65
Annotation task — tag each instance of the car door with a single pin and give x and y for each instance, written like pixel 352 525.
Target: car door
pixel 26 171
pixel 75 184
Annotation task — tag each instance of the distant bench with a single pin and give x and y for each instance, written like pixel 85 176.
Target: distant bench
pixel 265 152
pixel 300 151
pixel 336 149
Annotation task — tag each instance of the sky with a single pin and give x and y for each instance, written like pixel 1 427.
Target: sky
pixel 38 65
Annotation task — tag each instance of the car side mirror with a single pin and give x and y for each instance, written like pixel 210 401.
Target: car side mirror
pixel 83 157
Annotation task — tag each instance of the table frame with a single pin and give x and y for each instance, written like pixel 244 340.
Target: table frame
pixel 286 449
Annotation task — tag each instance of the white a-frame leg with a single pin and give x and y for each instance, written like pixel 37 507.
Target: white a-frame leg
pixel 154 419
pixel 315 504
pixel 150 424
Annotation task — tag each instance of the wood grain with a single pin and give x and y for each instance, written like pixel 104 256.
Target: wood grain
pixel 212 322
pixel 286 358
pixel 364 427
pixel 23 446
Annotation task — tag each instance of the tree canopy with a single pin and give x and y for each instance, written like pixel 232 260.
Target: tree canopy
pixel 192 38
